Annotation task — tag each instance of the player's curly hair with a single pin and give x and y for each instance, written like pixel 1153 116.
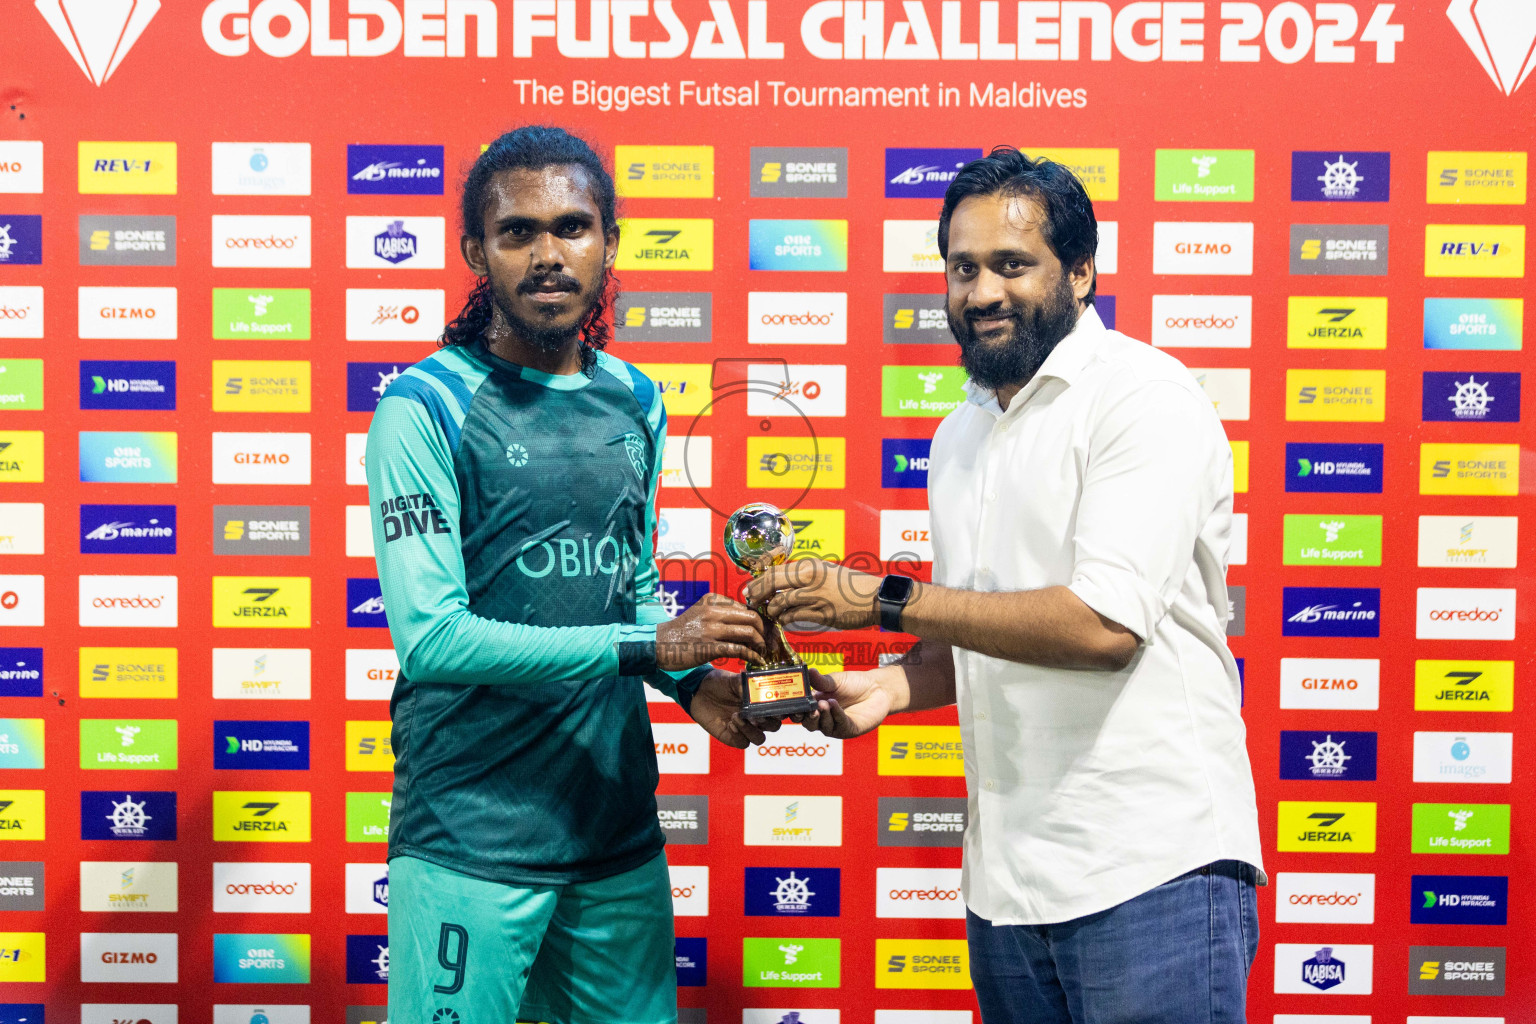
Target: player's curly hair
pixel 533 147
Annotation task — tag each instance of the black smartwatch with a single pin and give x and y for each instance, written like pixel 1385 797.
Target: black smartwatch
pixel 891 599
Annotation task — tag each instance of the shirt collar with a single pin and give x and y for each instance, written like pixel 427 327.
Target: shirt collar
pixel 1065 363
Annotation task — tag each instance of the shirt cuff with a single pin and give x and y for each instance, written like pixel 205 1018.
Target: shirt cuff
pixel 1120 596
pixel 637 651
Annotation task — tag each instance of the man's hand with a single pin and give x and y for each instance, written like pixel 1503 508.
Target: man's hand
pixel 810 590
pixel 850 705
pixel 715 627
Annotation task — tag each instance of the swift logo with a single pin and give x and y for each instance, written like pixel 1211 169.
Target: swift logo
pixel 1500 34
pixel 98 36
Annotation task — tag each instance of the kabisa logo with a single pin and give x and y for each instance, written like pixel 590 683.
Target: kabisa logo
pixel 1339 249
pixel 367 888
pixel 367 382
pixel 1331 827
pixel 1333 468
pixel 128 529
pixel 666 243
pixel 1322 970
pixel 137 814
pixel 394 243
pixel 21 671
pixel 664 316
pixel 261 745
pixel 1459 899
pixel 1331 611
pixel 1500 34
pixel 923 173
pixel 1462 397
pixel 1330 756
pixel 915 319
pixel 793 892
pixel 123 384
pixel 904 461
pixel 395 170
pixel 98 38
pixel 367 959
pixel 21 239
pixel 1341 177
pixel 365 603
pixel 1474 324
pixel 803 173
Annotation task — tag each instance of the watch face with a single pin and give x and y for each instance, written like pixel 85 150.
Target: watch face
pixel 895 588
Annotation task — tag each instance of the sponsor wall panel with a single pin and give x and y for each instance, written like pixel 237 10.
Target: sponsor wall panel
pixel 1357 329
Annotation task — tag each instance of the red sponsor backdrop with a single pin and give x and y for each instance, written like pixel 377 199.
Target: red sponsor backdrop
pixel 1134 94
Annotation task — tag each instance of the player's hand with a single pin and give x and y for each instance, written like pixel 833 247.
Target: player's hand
pixel 717 705
pixel 714 627
pixel 814 591
pixel 849 704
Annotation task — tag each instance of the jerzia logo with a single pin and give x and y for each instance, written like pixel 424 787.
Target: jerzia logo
pixel 98 36
pixel 1500 34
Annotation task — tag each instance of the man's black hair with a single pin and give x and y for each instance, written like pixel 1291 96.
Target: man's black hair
pixel 532 147
pixel 1070 228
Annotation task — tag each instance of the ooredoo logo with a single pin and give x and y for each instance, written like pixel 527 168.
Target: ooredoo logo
pixel 1455 613
pixel 919 893
pixel 1202 321
pixel 265 241
pixel 794 751
pixel 133 601
pixel 258 888
pixel 690 890
pixel 797 318
pixel 1311 897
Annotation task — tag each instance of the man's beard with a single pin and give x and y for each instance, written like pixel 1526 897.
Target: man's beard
pixel 1033 335
pixel 541 333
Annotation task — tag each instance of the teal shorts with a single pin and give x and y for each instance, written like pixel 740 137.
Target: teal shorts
pixel 466 951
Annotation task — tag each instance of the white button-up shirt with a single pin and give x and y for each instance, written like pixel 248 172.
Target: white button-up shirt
pixel 1110 474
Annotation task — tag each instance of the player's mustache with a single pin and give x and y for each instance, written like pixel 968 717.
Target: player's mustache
pixel 563 282
pixel 975 313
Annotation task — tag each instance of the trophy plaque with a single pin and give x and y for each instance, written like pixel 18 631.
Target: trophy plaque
pixel 757 537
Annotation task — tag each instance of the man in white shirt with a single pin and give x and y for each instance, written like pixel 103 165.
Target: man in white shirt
pixel 1081 505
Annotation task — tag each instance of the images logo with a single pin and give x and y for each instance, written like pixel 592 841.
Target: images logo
pixel 919 893
pixel 1331 611
pixel 665 316
pixel 394 314
pixel 260 169
pixel 1485 757
pixel 261 817
pixel 1469 469
pixel 98 40
pixel 666 243
pixel 1202 321
pixel 1474 250
pixel 904 462
pixel 793 892
pixel 21 239
pixel 799 172
pixel 1459 899
pixel 120 384
pixel 128 672
pixel 139 744
pixel 1352 249
pixel 1204 175
pixel 279 746
pixel 923 173
pixel 1456 970
pixel 127 168
pixel 922 963
pixel 1333 468
pixel 1354 396
pixel 1508 23
pixel 132 313
pixel 1464 685
pixel 1336 322
pixel 1305 897
pixel 921 750
pixel 655 172
pixel 1330 756
pixel 242 313
pixel 21 671
pixel 922 821
pixel 265 959
pixel 1489 179
pixel 791 963
pixel 911 247
pixel 1461 828
pixel 395 170
pixel 403 243
pixel 1195 247
pixel 1332 540
pixel 1481 324
pixel 798 245
pixel 1341 177
pixel 128 529
pixel 261 602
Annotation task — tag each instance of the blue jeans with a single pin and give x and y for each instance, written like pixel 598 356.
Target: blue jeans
pixel 1177 954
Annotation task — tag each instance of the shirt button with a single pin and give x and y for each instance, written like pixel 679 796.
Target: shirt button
pixel 991 495
pixel 990 785
pixel 981 716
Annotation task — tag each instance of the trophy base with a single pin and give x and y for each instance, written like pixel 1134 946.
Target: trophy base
pixel 777 692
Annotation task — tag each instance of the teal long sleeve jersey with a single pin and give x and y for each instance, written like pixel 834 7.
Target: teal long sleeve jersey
pixel 513 513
